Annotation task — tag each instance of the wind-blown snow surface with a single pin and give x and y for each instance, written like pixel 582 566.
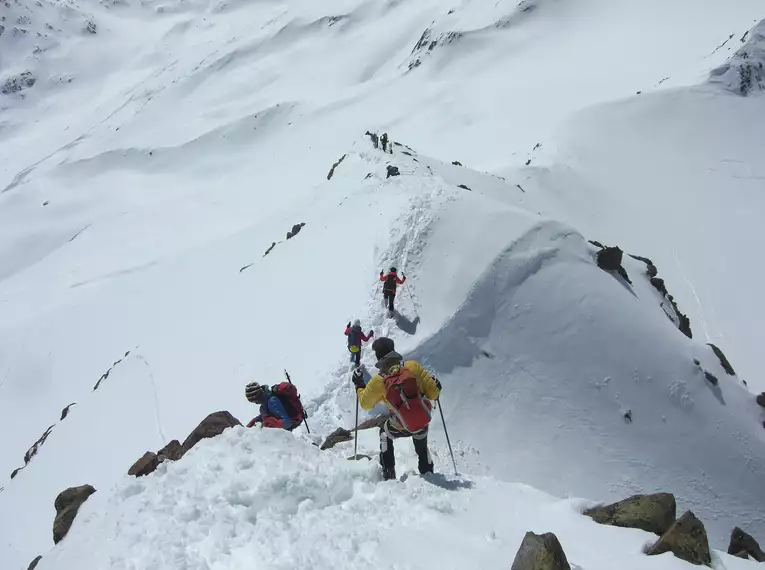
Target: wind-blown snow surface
pixel 192 135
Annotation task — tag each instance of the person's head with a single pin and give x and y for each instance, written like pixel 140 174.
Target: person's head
pixel 357 323
pixel 392 269
pixel 385 351
pixel 255 393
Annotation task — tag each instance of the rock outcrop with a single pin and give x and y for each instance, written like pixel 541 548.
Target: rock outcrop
pixel 145 465
pixel 338 436
pixel 17 83
pixel 686 539
pixel 212 425
pixel 744 72
pixel 172 451
pixel 392 171
pixel 295 230
pixel 67 505
pixel 652 513
pixel 540 552
pixel 724 362
pixel 34 563
pixel 743 545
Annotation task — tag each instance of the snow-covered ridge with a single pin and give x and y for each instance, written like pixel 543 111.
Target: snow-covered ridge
pixel 744 72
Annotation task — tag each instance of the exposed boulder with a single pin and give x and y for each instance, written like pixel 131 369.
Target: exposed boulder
pixel 456 163
pixel 34 563
pixel 652 513
pixel 67 505
pixel 610 258
pixel 295 230
pixel 17 83
pixel 686 539
pixel 761 399
pixel 723 360
pixel 65 411
pixel 463 187
pixel 392 171
pixel 332 170
pixel 212 425
pixel 743 542
pixel 145 465
pixel 172 451
pixel 338 436
pixel 540 552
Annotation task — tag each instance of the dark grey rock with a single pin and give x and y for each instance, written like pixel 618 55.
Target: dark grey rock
pixel 67 505
pixel 686 539
pixel 652 513
pixel 540 552
pixel 740 542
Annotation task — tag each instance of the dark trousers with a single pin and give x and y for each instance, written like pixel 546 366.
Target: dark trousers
pixel 389 297
pixel 356 356
pixel 388 458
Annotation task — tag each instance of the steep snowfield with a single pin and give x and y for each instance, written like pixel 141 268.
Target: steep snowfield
pixel 263 499
pixel 186 137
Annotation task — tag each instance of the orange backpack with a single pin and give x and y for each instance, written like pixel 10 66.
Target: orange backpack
pixel 411 408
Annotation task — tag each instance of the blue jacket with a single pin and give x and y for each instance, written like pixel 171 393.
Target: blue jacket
pixel 275 409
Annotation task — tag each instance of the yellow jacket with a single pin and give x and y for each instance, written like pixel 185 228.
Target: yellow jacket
pixel 374 393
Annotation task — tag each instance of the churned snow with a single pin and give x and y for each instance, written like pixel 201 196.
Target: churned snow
pixel 154 159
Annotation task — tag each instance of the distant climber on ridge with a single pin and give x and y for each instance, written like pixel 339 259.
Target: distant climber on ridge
pixel 355 337
pixel 280 405
pixel 406 389
pixel 391 280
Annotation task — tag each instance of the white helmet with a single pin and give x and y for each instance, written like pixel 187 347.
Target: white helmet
pixel 357 323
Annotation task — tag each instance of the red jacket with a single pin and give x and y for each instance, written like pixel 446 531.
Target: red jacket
pixel 363 337
pixel 399 281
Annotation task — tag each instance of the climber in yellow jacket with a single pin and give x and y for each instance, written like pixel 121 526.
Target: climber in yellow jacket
pixel 406 389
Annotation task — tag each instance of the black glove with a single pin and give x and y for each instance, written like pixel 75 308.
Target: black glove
pixel 348 325
pixel 371 333
pixel 381 273
pixel 358 380
pixel 437 383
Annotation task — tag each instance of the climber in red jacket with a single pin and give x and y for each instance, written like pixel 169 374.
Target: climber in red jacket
pixel 389 288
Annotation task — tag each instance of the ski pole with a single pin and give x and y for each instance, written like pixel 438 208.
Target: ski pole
pixel 414 305
pixel 449 443
pixel 305 415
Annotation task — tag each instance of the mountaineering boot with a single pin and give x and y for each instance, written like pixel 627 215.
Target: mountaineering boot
pixel 389 474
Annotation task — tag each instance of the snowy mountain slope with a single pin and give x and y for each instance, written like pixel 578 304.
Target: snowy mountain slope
pixel 195 134
pixel 264 499
pixel 695 211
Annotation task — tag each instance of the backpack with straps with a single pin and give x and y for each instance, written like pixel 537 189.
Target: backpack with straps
pixel 390 283
pixel 354 337
pixel 411 408
pixel 290 399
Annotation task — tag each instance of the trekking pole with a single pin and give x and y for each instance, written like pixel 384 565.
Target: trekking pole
pixel 305 415
pixel 440 409
pixel 406 285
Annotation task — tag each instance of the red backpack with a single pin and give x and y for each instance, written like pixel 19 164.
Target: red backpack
pixel 411 408
pixel 290 399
